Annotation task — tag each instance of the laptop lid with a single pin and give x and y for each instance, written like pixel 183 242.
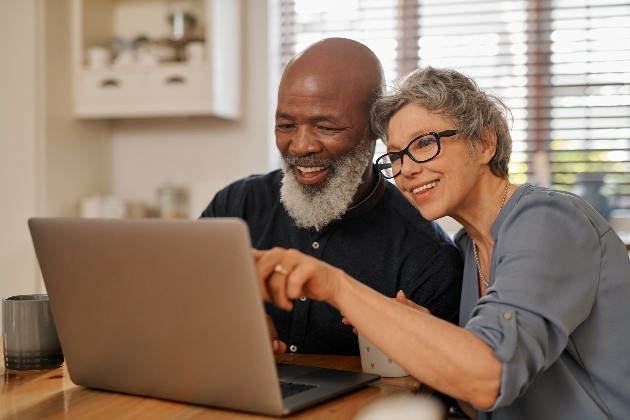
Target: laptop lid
pixel 169 309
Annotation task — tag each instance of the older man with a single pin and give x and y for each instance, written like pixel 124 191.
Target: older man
pixel 330 202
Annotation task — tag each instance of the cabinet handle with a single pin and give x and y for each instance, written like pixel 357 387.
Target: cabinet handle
pixel 175 80
pixel 110 83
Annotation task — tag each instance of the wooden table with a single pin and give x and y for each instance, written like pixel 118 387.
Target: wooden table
pixel 50 394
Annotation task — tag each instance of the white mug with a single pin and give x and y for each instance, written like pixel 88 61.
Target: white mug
pixel 405 407
pixel 375 361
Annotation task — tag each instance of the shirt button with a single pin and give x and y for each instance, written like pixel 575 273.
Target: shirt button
pixel 315 245
pixel 292 348
pixel 507 315
pixel 303 298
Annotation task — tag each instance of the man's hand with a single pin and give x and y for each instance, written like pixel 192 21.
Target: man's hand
pixel 400 297
pixel 278 345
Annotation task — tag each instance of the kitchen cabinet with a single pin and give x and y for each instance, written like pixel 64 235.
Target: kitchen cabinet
pixel 156 58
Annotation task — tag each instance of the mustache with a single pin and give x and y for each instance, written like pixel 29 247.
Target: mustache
pixel 293 160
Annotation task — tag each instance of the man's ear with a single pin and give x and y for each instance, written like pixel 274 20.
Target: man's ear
pixel 488 144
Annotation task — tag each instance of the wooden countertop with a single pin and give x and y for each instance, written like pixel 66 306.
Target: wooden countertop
pixel 51 394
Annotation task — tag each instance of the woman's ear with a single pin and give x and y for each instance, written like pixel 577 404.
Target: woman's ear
pixel 488 144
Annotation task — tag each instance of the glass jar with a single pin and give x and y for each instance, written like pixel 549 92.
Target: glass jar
pixel 172 201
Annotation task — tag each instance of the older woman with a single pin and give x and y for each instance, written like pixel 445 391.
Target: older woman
pixel 544 310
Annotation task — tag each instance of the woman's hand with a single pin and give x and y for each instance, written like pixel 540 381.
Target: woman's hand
pixel 287 274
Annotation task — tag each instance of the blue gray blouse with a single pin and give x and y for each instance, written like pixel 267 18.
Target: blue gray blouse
pixel 557 311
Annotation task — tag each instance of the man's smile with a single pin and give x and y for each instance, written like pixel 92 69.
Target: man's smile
pixel 311 174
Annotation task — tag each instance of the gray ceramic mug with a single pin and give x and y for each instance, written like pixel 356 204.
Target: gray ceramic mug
pixel 29 335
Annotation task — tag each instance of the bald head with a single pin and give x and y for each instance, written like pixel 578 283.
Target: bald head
pixel 339 59
pixel 336 68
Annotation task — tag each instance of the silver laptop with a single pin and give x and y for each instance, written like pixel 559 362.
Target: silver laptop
pixel 172 310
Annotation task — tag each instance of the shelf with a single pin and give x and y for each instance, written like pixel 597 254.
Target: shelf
pixel 145 71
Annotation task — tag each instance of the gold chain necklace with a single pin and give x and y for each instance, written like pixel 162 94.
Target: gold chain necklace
pixel 483 278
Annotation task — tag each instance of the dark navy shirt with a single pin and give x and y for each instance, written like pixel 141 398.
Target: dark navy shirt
pixel 384 242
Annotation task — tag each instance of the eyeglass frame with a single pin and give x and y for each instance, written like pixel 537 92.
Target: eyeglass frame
pixel 405 151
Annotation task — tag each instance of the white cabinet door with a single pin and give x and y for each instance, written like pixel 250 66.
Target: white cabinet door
pixel 146 74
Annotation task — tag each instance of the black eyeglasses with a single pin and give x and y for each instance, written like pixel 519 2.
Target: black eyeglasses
pixel 421 149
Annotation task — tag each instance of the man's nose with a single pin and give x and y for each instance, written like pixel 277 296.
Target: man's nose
pixel 305 142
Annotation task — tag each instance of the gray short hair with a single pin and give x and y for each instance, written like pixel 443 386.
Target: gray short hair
pixel 451 94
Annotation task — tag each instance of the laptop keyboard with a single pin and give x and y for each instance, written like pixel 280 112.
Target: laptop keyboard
pixel 291 388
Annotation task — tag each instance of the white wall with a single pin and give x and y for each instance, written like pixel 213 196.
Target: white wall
pixel 49 160
pixel 201 154
pixel 19 158
pixel 77 154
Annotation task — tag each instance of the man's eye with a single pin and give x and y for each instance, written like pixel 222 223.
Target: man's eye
pixel 285 126
pixel 328 129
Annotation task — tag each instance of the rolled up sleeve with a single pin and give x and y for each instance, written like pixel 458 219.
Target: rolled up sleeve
pixel 546 267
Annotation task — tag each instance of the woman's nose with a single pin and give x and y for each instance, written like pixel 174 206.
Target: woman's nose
pixel 408 167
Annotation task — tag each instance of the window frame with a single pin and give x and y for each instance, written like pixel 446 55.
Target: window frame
pixel 544 163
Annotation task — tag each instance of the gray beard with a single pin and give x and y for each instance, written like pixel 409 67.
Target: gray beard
pixel 316 206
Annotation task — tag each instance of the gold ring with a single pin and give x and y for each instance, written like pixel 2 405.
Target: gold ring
pixel 280 269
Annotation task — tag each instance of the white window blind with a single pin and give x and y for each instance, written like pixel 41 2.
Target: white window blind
pixel 563 67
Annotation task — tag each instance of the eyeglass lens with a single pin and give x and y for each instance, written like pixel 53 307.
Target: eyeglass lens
pixel 420 149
